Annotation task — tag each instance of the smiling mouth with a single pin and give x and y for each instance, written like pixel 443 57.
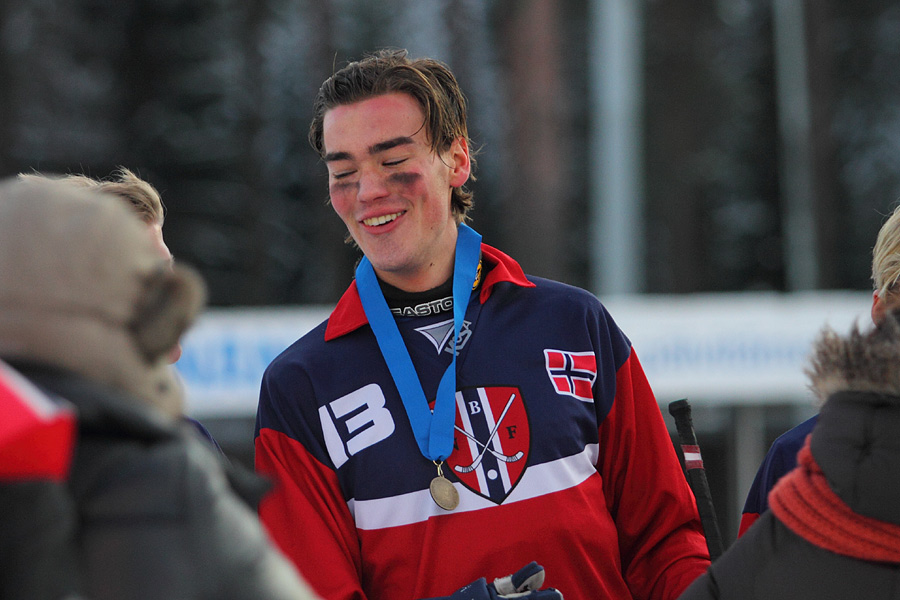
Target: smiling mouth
pixel 376 221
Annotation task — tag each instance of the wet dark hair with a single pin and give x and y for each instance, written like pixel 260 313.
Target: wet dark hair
pixel 429 82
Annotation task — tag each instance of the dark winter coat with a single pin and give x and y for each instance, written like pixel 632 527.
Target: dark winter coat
pixel 856 443
pixel 159 514
pixel 37 529
pixel 148 510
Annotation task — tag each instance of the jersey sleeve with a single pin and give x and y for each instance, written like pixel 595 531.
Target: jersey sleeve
pixel 305 513
pixel 660 536
pixel 747 519
pixel 755 504
pixel 781 458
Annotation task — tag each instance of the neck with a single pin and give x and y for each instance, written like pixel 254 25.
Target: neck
pixel 427 272
pixel 432 277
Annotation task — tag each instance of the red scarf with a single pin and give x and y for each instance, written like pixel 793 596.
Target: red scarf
pixel 805 503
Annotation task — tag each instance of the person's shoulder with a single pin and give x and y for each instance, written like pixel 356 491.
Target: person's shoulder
pixel 791 440
pixel 564 303
pixel 739 568
pixel 307 345
pixel 552 289
pixel 782 455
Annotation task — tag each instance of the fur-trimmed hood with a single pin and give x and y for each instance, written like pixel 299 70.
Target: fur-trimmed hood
pixel 83 288
pixel 856 440
pixel 862 361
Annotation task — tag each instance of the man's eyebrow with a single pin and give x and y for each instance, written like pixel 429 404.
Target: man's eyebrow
pixel 333 156
pixel 373 149
pixel 387 145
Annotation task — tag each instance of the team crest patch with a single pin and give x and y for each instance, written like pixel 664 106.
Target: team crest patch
pixel 492 440
pixel 572 373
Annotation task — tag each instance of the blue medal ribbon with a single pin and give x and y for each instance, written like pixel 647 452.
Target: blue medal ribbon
pixel 433 430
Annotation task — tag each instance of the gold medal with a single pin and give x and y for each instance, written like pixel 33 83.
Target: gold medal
pixel 443 491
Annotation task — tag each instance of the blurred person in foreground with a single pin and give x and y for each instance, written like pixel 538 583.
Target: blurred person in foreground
pixel 782 455
pixel 833 528
pixel 146 202
pixel 454 418
pixel 37 517
pixel 89 312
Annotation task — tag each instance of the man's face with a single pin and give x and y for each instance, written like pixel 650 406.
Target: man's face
pixel 392 191
pixel 157 236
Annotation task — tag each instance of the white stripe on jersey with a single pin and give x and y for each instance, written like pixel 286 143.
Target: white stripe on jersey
pixel 415 507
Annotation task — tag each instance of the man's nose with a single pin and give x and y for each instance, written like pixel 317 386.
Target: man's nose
pixel 372 185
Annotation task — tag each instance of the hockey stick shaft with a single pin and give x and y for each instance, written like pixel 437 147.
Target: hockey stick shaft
pixel 696 476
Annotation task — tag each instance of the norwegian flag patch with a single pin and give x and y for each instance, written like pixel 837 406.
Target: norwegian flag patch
pixel 572 373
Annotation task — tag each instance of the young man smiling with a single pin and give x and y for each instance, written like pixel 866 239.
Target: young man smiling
pixel 454 418
pixel 392 191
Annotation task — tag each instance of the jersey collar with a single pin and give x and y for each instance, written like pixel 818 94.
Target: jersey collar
pixel 348 315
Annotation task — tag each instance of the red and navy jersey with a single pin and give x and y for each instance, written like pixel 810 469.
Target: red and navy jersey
pixel 780 459
pixel 561 455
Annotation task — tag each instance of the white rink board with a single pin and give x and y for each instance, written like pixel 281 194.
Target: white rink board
pixel 713 349
pixel 734 348
pixel 227 350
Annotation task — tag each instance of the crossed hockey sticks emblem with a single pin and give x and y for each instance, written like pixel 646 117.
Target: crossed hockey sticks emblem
pixel 509 458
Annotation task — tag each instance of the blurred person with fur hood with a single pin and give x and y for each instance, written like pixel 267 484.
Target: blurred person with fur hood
pixel 782 455
pixel 37 519
pixel 833 528
pixel 144 199
pixel 89 311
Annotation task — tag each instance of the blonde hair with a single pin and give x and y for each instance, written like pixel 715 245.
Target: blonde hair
pixel 142 196
pixel 886 256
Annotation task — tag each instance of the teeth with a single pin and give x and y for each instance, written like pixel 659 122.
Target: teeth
pixel 380 220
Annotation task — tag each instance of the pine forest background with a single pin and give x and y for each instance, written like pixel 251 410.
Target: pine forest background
pixel 210 100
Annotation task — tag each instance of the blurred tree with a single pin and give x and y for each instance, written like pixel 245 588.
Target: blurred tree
pixel 865 55
pixel 62 98
pixel 537 165
pixel 829 202
pixel 713 213
pixel 200 121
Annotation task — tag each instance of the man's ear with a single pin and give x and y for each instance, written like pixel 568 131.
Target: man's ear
pixel 877 307
pixel 460 163
pixel 171 300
